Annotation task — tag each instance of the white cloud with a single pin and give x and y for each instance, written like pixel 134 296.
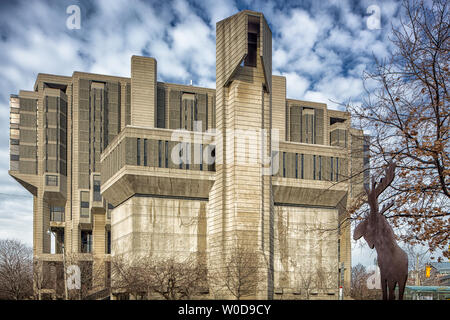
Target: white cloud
pixel 295 85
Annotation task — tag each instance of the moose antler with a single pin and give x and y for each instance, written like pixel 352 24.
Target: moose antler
pixel 386 181
pixel 378 188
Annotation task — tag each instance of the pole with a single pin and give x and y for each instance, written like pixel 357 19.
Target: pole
pixel 65 273
pixel 341 286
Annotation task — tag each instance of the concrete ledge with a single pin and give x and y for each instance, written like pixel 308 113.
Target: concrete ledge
pixel 132 180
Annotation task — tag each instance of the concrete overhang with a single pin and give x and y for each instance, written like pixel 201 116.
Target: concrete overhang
pixel 131 180
pixel 28 181
pixel 289 191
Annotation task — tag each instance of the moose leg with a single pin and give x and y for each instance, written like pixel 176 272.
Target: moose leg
pixel 401 287
pixel 391 284
pixel 384 287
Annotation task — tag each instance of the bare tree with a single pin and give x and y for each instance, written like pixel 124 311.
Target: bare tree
pixel 306 282
pixel 359 289
pixel 169 278
pixel 407 115
pixel 418 258
pixel 16 270
pixel 359 282
pixel 240 274
pixel 173 279
pixel 126 275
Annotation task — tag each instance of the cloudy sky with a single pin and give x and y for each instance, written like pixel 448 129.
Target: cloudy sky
pixel 321 48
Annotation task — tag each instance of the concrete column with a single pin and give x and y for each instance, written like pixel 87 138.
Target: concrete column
pixel 143 91
pixel 99 235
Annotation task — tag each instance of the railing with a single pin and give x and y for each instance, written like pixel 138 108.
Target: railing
pixel 145 147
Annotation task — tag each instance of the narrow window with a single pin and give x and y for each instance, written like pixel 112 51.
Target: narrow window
pixel 97 194
pixel 284 164
pixel 331 171
pixel 138 159
pixel 320 167
pixel 181 157
pixel 185 114
pixel 192 115
pixel 166 154
pixel 86 241
pixel 201 157
pixel 314 167
pixel 302 165
pixel 337 169
pixel 159 153
pixel 108 242
pixel 314 127
pixel 306 129
pixel 252 43
pixel 84 204
pixel 296 165
pixel 187 156
pixel 145 152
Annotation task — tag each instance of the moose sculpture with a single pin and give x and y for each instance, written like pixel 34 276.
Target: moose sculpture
pixel 375 229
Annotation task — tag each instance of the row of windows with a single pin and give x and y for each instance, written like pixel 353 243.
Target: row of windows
pixel 321 168
pixel 87 240
pixel 186 154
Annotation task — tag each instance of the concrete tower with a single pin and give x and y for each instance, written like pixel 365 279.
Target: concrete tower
pixel 241 211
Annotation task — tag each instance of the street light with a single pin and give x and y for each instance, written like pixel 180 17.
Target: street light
pixel 49 232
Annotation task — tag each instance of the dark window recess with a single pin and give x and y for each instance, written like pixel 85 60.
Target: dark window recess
pixel 212 167
pixel 331 171
pixel 97 194
pixel 250 59
pixel 138 152
pixel 181 158
pixel 14 157
pixel 159 153
pixel 86 241
pixel 314 167
pixel 336 120
pixel 51 180
pixel 108 241
pixel 57 214
pixel 187 157
pixel 201 157
pixel 302 171
pixel 14 142
pixel 337 169
pixel 145 152
pixel 284 164
pixel 320 167
pixel 84 204
pixel 166 154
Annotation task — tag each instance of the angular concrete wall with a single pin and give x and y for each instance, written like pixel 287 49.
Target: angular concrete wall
pixel 162 227
pixel 306 241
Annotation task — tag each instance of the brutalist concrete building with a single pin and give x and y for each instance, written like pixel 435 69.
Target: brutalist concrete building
pixel 99 154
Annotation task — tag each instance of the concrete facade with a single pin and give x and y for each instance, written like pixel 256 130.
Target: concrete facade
pixel 97 153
